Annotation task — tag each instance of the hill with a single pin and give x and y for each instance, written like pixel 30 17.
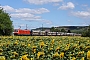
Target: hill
pixel 73 29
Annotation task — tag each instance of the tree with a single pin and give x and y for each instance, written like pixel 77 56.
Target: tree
pixel 63 30
pixel 6 27
pixel 86 33
pixel 56 30
pixel 53 29
pixel 68 31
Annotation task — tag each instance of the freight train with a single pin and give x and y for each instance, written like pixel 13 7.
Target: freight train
pixel 42 33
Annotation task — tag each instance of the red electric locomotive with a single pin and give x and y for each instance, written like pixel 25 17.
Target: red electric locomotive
pixel 21 32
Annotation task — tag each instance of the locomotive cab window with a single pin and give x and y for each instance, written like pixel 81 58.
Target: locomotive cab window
pixel 15 30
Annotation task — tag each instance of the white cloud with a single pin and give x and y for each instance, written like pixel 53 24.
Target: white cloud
pixel 69 5
pixel 8 8
pixel 40 2
pixel 88 9
pixel 84 23
pixel 27 13
pixel 84 5
pixel 46 21
pixel 25 16
pixel 56 4
pixel 32 11
pixel 25 10
pixel 81 14
pixel 69 20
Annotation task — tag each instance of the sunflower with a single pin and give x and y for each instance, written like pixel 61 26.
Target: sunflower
pixel 24 57
pixel 56 54
pixel 62 55
pixel 42 44
pixel 52 42
pixel 2 58
pixel 73 58
pixel 58 48
pixel 82 58
pixel 40 54
pixel 28 45
pixel 88 55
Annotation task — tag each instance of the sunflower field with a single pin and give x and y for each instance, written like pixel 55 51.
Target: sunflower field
pixel 44 48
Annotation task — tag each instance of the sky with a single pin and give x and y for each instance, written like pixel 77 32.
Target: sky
pixel 47 13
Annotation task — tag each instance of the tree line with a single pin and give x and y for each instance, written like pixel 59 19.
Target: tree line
pixel 53 29
pixel 86 33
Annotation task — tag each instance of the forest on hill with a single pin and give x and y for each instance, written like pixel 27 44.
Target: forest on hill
pixel 72 29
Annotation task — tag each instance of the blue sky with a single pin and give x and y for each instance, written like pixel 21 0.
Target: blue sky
pixel 34 13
